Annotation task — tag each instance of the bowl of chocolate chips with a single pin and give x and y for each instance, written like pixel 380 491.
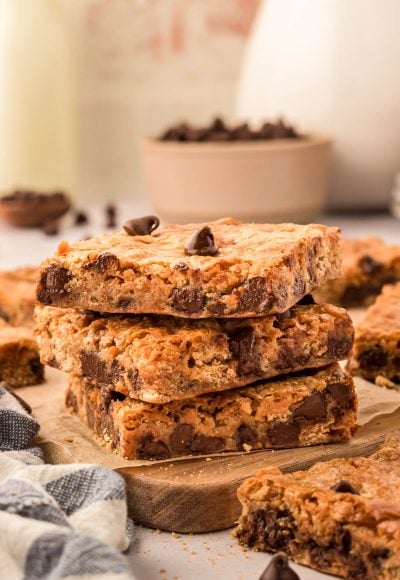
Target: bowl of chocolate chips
pixel 24 208
pixel 269 173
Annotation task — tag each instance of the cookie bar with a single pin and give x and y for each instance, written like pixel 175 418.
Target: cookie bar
pixel 18 295
pixel 376 354
pixel 368 264
pixel 159 359
pixel 308 409
pixel 254 270
pixel 341 517
pixel 19 357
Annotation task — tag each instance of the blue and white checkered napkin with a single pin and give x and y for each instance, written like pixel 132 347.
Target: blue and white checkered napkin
pixel 56 521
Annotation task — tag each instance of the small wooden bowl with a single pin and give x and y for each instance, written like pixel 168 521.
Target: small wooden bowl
pixel 28 209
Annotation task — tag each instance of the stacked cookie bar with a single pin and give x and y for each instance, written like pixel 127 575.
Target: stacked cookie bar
pixel 198 339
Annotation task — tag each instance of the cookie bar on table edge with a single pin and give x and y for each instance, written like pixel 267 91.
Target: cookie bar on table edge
pixel 368 264
pixel 19 357
pixel 376 352
pixel 159 359
pixel 341 517
pixel 307 409
pixel 254 270
pixel 18 295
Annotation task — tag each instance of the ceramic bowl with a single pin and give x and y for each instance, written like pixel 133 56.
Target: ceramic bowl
pixel 279 180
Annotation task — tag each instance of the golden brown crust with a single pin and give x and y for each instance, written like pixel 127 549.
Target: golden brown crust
pixel 260 269
pixel 18 295
pixel 159 359
pixel 351 534
pixel 376 353
pixel 19 357
pixel 311 408
pixel 368 264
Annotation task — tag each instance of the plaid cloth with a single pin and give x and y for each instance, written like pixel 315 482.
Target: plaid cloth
pixel 56 521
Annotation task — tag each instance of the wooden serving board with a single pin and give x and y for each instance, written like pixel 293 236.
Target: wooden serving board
pixel 196 494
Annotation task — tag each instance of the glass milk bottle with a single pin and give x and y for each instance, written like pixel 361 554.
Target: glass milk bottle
pixel 37 120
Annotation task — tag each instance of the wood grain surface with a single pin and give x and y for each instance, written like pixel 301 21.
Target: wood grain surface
pixel 186 495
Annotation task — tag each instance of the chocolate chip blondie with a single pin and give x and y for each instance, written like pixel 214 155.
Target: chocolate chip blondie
pixel 341 517
pixel 376 354
pixel 158 359
pixel 236 270
pixel 368 264
pixel 19 357
pixel 311 408
pixel 18 295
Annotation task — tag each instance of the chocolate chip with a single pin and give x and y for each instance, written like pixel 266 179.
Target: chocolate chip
pixel 206 444
pixel 369 265
pixel 254 296
pixel 346 542
pixel 94 368
pixel 284 315
pixel 103 263
pixel 307 300
pixel 37 368
pixel 143 226
pixel 81 218
pixel 216 308
pixel 312 408
pixel 246 435
pixel 201 243
pixel 51 227
pixel 181 438
pixel 150 449
pixel 111 214
pixel 344 486
pixel 278 569
pixel 284 434
pixel 52 283
pixel 187 299
pixel 242 345
pixel 373 358
pixel 342 394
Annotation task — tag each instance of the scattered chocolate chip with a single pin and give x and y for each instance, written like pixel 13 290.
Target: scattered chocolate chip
pixel 242 344
pixel 181 438
pixel 143 226
pixel 201 243
pixel 206 444
pixel 278 569
pixel 284 434
pixel 255 296
pixel 307 300
pixel 312 408
pixel 373 358
pixel 344 486
pixel 369 265
pixel 187 299
pixel 81 218
pixel 51 227
pixel 111 215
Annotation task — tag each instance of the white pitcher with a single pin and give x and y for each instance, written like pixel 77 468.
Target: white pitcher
pixel 332 66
